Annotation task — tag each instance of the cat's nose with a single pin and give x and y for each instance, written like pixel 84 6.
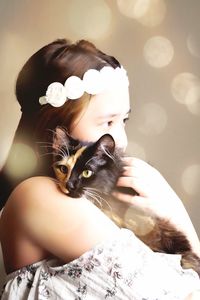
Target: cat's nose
pixel 70 186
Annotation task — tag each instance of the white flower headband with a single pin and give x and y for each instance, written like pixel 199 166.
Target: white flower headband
pixel 93 82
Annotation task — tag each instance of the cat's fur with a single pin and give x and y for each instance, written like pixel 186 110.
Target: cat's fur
pixel 72 158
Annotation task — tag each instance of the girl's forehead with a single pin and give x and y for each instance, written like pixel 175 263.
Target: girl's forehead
pixel 112 102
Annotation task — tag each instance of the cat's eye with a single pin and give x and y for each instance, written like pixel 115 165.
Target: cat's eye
pixel 63 169
pixel 87 173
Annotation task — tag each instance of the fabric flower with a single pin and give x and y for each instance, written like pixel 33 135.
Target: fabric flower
pixel 93 83
pixel 108 77
pixel 74 87
pixel 55 95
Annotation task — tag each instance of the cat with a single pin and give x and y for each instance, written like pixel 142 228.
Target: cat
pixel 84 168
pixel 92 170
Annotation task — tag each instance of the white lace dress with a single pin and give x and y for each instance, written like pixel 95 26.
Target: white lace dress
pixel 122 268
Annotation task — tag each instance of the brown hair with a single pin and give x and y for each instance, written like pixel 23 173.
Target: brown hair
pixel 54 62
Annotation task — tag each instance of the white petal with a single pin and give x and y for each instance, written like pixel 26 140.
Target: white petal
pixel 42 100
pixel 56 94
pixel 74 87
pixel 107 74
pixel 93 83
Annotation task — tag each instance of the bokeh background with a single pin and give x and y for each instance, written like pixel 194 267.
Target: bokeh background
pixel 157 41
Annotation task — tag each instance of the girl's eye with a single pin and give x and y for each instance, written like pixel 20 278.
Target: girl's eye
pixel 110 123
pixel 87 173
pixel 63 169
pixel 125 120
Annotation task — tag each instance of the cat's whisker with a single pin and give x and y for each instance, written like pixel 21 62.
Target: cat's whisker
pixel 45 146
pixel 50 145
pixel 95 192
pixel 65 154
pixel 109 154
pixel 89 160
pixel 62 152
pixel 92 196
pixel 60 136
pixel 46 143
pixel 93 189
pixel 55 180
pixel 49 153
pixel 104 200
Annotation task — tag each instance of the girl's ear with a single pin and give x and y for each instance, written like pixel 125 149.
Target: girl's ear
pixel 105 144
pixel 60 138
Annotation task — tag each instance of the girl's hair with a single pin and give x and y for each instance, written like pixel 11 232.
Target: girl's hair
pixel 54 62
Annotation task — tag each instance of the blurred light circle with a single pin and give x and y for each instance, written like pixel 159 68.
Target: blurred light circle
pixel 158 52
pixel 141 7
pixel 155 13
pixel 192 100
pixel 152 119
pixel 193 44
pixel 191 178
pixel 133 8
pixel 136 150
pixel 89 18
pixel 22 162
pixel 148 12
pixel 182 84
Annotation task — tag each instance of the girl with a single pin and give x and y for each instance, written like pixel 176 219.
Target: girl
pixel 57 247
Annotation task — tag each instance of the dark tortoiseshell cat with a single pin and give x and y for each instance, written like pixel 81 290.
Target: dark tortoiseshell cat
pixel 92 169
pixel 82 169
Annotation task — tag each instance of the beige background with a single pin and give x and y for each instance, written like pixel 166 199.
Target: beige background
pixel 158 42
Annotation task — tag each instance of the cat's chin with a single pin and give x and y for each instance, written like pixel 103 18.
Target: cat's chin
pixel 71 193
pixel 74 195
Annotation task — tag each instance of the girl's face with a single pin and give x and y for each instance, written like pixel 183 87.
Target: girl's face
pixel 106 113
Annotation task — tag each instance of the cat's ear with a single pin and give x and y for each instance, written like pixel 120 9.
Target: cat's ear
pixel 105 144
pixel 60 138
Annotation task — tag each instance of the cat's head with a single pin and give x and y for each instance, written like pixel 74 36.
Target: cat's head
pixel 85 168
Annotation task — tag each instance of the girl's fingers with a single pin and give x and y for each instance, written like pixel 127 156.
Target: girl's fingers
pixel 132 171
pixel 138 184
pixel 147 205
pixel 135 162
pixel 132 160
pixel 126 181
pixel 129 171
pixel 138 202
pixel 138 167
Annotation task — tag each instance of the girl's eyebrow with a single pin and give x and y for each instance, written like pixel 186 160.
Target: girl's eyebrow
pixel 112 115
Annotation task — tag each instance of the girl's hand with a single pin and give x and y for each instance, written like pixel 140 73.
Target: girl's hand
pixel 156 197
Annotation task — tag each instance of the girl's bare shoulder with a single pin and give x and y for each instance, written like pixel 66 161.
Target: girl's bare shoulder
pixel 33 185
pixel 30 193
pixel 25 193
pixel 40 194
pixel 64 226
